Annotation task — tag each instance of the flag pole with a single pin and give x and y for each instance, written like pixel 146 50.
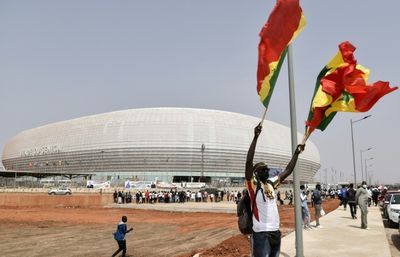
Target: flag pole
pixel 263 117
pixel 296 177
pixel 306 136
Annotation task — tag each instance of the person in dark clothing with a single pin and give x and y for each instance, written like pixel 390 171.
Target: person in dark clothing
pixel 137 197
pixel 239 195
pixel 375 195
pixel 123 196
pixel 351 200
pixel 278 196
pixel 119 197
pixel 115 195
pixel 343 193
pixel 290 197
pixel 316 199
pixel 119 236
pixel 128 197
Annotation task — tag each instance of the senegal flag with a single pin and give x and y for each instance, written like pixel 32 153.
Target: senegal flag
pixel 342 86
pixel 283 25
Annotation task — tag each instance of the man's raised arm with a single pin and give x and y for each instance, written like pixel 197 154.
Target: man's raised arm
pixel 250 153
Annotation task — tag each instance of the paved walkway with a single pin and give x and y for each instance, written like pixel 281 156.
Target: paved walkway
pixel 342 236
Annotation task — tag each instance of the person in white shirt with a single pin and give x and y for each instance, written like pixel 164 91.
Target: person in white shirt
pixel 369 191
pixel 305 213
pixel 266 237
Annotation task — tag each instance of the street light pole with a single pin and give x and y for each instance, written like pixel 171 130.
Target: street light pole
pixel 366 170
pixel 361 160
pixel 371 176
pixel 352 146
pixel 326 177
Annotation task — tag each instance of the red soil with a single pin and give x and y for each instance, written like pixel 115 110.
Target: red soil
pixel 76 229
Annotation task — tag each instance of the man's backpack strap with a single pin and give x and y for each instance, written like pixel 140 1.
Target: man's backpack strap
pixel 258 188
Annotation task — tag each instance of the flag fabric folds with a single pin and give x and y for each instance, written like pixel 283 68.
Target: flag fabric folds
pixel 342 86
pixel 284 24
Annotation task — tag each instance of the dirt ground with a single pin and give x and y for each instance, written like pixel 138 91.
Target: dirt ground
pixel 65 231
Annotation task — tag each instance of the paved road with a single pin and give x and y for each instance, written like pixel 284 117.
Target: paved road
pixel 393 237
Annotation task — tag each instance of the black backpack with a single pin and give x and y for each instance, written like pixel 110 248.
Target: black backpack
pixel 244 213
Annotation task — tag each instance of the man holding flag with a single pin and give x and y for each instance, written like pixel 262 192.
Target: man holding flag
pixel 341 86
pixel 266 237
pixel 285 22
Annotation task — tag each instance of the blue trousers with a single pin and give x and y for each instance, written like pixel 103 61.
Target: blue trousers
pixel 305 215
pixel 266 244
pixel 121 247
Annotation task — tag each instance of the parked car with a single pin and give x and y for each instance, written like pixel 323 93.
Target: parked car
pixel 393 210
pixel 59 191
pixel 386 201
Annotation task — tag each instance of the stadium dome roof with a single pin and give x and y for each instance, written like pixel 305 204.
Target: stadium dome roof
pixel 158 128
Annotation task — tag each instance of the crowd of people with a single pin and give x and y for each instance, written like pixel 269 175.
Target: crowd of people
pixel 362 197
pixel 176 196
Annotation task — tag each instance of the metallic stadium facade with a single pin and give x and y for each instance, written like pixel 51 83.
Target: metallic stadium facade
pixel 172 144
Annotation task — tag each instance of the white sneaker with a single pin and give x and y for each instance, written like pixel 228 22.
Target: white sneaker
pixel 319 226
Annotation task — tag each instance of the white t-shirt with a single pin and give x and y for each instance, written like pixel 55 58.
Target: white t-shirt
pixel 265 213
pixel 369 193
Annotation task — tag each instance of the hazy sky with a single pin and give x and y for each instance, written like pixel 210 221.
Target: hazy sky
pixel 66 59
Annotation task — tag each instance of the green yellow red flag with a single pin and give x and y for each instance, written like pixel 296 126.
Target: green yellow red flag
pixel 283 25
pixel 342 86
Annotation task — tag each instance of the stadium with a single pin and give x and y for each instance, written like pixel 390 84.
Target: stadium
pixel 171 144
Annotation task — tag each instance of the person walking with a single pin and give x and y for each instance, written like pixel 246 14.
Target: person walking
pixel 375 195
pixel 362 201
pixel 305 212
pixel 369 191
pixel 317 200
pixel 266 237
pixel 351 199
pixel 115 196
pixel 278 197
pixel 119 236
pixel 332 193
pixel 312 198
pixel 343 193
pixel 290 197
